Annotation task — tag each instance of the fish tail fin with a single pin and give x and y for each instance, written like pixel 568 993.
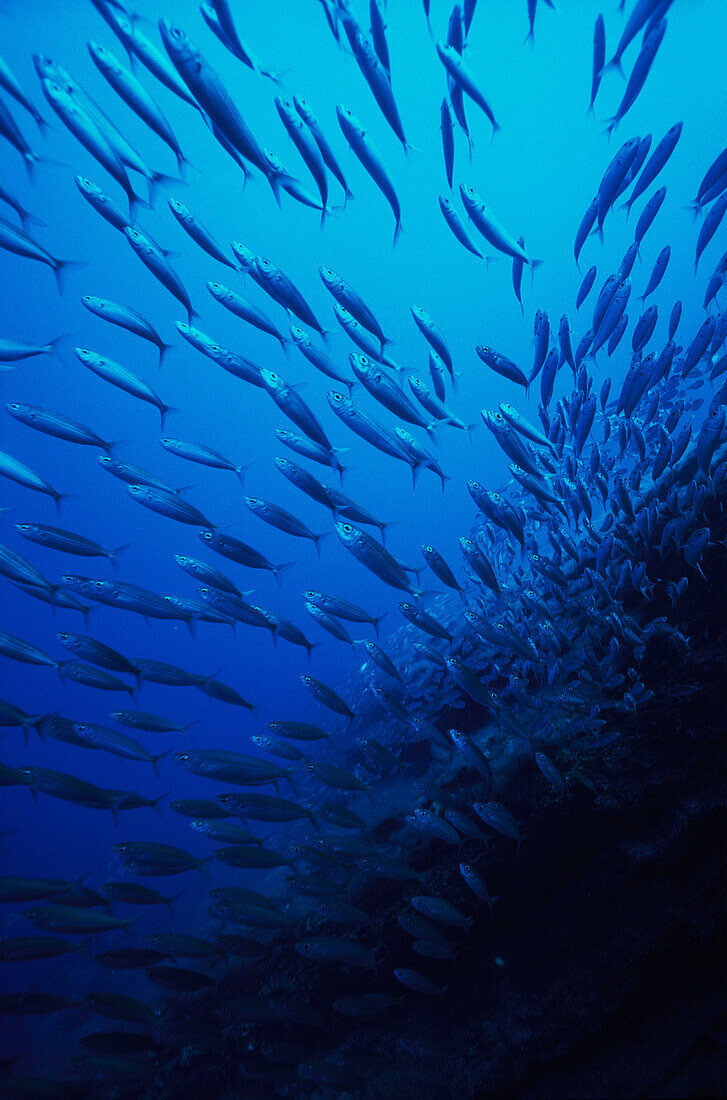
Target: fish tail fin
pixel 285 345
pixel 26 219
pixel 614 63
pixel 242 470
pixel 134 201
pixel 529 37
pixel 156 760
pixel 58 497
pixel 164 411
pixel 534 265
pixel 310 647
pixel 58 344
pixel 318 539
pixel 169 902
pixel 375 622
pixel 274 185
pixel 163 349
pixel 397 230
pixel 290 782
pixel 160 179
pixel 278 569
pixel 60 267
pixel 43 125
pixel 612 124
pixel 695 207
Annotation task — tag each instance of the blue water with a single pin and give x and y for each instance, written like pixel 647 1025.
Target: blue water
pixel 538 175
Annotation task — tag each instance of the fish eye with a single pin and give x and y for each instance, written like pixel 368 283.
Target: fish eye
pixel 347 528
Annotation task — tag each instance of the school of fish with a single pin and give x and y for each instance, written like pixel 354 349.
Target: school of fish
pixel 533 637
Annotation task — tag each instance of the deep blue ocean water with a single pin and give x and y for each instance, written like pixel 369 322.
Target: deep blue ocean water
pixel 538 175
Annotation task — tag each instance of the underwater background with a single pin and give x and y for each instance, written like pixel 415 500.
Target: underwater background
pixel 580 653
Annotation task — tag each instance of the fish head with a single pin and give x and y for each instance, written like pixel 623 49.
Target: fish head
pixel 329 277
pixel 45 66
pixel 304 110
pixel 275 162
pixel 347 118
pixel 336 400
pixel 102 55
pixel 272 380
pixel 361 365
pixel 175 40
pixel 347 533
pixel 178 208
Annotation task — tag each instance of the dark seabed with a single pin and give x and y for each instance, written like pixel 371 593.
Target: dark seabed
pixel 362 548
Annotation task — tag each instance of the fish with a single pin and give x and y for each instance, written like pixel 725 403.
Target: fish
pixel 153 258
pixel 13 352
pixel 656 162
pixel 25 217
pixel 205 456
pixel 208 90
pixel 648 214
pixel 135 95
pixel 491 229
pixel 43 420
pixel 278 517
pixel 599 57
pixel 447 129
pixel 126 318
pixel 347 297
pixel 453 62
pixel 84 127
pixel 369 156
pixel 19 243
pixel 642 12
pixel 304 110
pixel 639 73
pixel 306 145
pixel 327 696
pixel 246 311
pixel 15 470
